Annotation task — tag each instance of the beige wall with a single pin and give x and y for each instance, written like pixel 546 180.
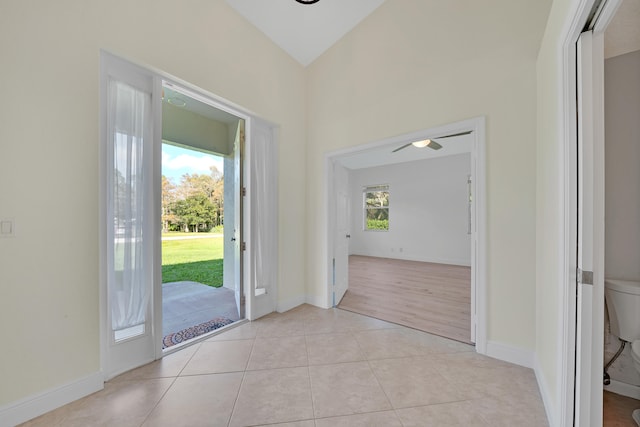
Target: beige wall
pixel 549 207
pixel 415 64
pixel 49 157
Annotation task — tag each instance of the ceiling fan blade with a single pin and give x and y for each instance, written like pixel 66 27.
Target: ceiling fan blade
pixel 400 148
pixel 434 145
pixel 454 134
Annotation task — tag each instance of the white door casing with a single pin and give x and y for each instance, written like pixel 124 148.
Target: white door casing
pixel 261 206
pixel 590 286
pixel 342 233
pixel 118 356
pixel 238 235
pixel 478 215
pixel 131 353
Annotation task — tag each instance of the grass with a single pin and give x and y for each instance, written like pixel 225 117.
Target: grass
pixel 183 234
pixel 196 260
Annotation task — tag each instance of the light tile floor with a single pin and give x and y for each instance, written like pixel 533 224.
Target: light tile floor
pixel 315 368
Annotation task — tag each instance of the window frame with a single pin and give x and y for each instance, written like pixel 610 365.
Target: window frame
pixel 365 209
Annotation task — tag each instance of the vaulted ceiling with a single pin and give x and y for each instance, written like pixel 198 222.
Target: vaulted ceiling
pixel 305 31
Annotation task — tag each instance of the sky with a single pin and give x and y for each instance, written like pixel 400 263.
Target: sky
pixel 177 161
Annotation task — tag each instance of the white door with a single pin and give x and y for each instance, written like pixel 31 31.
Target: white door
pixel 590 304
pixel 342 236
pixel 261 206
pixel 471 230
pixel 237 220
pixel 129 223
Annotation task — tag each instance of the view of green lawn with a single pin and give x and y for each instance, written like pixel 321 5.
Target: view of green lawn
pixel 196 260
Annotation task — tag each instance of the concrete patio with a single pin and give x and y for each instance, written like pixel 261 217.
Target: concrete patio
pixel 186 304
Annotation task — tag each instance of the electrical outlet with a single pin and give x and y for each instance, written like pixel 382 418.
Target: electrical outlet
pixel 7 227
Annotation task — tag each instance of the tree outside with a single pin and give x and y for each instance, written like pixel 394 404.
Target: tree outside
pixel 195 204
pixel 377 209
pixel 192 203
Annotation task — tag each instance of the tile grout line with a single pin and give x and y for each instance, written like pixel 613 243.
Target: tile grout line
pixel 191 358
pixel 159 400
pixel 244 373
pixel 373 372
pixel 313 406
pixel 172 383
pixel 375 376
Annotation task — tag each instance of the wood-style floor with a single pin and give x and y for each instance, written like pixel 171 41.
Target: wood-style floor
pixel 617 410
pixel 434 298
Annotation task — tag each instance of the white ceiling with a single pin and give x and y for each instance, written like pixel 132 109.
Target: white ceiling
pixel 305 31
pixel 180 100
pixel 384 155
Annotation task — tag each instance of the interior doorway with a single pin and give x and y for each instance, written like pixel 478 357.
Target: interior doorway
pixel 607 75
pixel 373 154
pixel 622 191
pixel 584 175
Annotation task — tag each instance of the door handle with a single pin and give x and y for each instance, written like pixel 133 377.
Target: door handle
pixel 233 239
pixel 348 236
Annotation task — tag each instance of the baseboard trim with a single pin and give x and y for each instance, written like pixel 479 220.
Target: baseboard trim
pixel 543 387
pixel 290 303
pixel 629 390
pixel 511 354
pixel 40 403
pixel 317 301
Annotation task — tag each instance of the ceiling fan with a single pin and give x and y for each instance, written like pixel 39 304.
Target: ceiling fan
pixel 430 142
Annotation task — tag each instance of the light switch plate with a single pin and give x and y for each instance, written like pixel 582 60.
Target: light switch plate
pixel 7 227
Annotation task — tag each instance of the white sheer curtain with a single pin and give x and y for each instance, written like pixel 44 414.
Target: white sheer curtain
pixel 264 221
pixel 128 127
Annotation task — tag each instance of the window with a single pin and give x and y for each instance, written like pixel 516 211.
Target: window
pixel 376 208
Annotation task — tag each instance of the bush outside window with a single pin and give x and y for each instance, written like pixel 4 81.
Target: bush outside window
pixel 376 208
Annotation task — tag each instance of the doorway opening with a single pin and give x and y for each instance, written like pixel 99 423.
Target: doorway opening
pixel 592 223
pixel 134 121
pixel 586 180
pixel 621 396
pixel 368 263
pixel 199 225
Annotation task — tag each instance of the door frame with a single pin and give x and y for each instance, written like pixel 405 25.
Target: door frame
pixel 577 19
pixel 155 306
pixel 200 95
pixel 116 357
pixel 263 300
pixel 590 247
pixel 478 248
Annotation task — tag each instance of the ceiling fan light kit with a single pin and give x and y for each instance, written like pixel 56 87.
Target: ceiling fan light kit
pixel 431 143
pixel 307 1
pixel 421 144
